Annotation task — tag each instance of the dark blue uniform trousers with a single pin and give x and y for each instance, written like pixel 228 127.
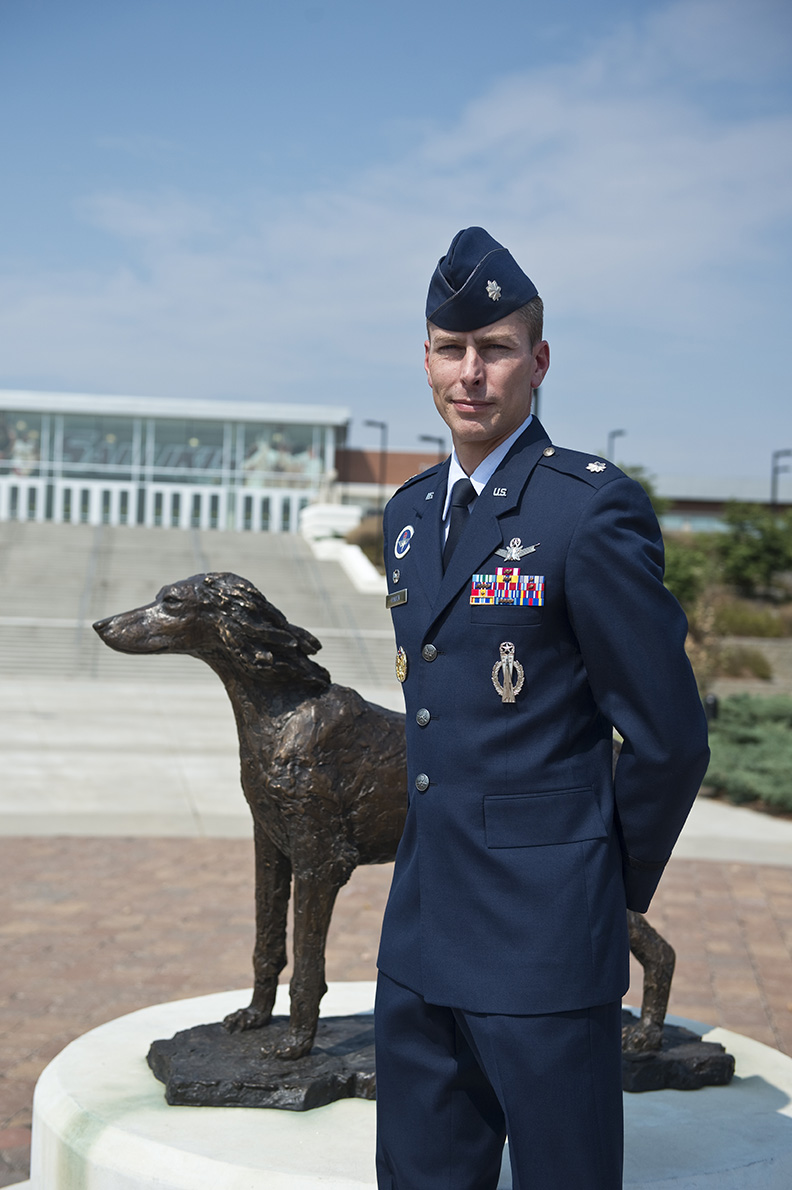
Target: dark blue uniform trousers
pixel 452 1085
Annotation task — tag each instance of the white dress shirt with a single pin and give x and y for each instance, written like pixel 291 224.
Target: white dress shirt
pixel 482 474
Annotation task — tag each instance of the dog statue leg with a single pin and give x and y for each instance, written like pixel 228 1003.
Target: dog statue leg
pixel 657 958
pixel 273 878
pixel 313 906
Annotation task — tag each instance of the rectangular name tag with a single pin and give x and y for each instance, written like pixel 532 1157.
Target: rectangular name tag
pixel 396 598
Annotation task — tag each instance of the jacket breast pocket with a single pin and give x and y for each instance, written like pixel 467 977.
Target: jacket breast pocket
pixel 541 819
pixel 506 613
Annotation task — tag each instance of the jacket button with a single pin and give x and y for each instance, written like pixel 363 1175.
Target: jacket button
pixel 428 652
pixel 422 782
pixel 423 717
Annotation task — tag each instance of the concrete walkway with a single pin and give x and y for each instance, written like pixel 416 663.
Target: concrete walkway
pixel 160 758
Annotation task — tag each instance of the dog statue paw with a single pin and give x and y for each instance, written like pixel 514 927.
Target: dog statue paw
pixel 643 1037
pixel 246 1018
pixel 291 1045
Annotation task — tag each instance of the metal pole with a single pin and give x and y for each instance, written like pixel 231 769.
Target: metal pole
pixel 439 443
pixel 775 471
pixel 612 436
pixel 383 459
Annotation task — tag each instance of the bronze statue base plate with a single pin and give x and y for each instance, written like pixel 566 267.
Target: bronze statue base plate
pixel 206 1066
pixel 683 1063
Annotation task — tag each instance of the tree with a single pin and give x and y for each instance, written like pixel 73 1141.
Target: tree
pixel 757 546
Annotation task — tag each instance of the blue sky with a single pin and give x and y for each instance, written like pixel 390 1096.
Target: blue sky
pixel 246 199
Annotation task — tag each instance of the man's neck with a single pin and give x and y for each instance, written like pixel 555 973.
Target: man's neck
pixel 470 455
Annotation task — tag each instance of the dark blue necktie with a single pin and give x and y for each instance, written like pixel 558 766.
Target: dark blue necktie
pixel 462 494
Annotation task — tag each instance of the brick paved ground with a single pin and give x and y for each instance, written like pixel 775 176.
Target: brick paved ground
pixel 93 928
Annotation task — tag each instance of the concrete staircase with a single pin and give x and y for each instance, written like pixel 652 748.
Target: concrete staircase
pixel 55 580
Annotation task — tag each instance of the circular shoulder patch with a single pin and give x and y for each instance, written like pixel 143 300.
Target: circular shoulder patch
pixel 403 541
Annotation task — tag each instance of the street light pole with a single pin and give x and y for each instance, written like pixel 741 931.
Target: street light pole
pixel 383 459
pixel 612 436
pixel 439 443
pixel 775 471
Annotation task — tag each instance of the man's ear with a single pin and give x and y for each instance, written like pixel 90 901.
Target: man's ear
pixel 426 361
pixel 541 354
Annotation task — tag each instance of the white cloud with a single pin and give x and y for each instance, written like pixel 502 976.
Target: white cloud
pixel 638 205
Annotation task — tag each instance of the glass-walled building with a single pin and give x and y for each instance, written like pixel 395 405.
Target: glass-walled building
pixel 160 461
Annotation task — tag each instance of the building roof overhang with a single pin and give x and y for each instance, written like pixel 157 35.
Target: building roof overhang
pixel 188 408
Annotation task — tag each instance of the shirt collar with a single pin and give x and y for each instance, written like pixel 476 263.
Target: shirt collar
pixel 486 467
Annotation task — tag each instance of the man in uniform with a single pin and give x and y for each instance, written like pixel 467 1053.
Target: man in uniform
pixel 526 587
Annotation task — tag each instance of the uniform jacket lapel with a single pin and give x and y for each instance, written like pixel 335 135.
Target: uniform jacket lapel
pixel 484 535
pixel 428 515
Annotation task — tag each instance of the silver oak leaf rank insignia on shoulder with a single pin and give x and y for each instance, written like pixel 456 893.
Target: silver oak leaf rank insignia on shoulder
pixel 598 466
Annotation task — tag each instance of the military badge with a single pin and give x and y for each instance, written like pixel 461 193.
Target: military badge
pixel 598 466
pixel 508 586
pixel 401 664
pixel 403 541
pixel 515 550
pixel 512 674
pixel 493 291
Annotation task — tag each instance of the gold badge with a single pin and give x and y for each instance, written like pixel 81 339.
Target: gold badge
pixel 401 664
pixel 510 669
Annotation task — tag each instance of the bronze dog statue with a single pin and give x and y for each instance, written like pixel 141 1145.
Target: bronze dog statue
pixel 324 775
pixel 323 772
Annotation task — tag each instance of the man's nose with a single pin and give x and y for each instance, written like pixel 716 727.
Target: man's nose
pixel 472 367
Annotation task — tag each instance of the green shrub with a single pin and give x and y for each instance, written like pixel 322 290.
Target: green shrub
pixel 737 617
pixel 757 546
pixel 751 742
pixel 688 569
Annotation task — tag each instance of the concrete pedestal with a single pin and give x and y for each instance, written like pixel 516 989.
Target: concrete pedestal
pixel 100 1121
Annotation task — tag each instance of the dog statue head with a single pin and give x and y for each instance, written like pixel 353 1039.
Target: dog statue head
pixel 220 618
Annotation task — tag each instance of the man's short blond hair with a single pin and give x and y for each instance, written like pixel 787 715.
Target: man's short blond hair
pixel 532 314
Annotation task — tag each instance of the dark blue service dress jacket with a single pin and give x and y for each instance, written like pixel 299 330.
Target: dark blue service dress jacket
pixel 521 850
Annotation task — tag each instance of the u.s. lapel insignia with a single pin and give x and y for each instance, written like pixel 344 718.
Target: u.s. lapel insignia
pixel 403 541
pixel 510 669
pixel 499 492
pixel 401 664
pixel 598 466
pixel 515 550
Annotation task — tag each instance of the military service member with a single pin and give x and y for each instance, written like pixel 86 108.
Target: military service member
pixel 526 588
